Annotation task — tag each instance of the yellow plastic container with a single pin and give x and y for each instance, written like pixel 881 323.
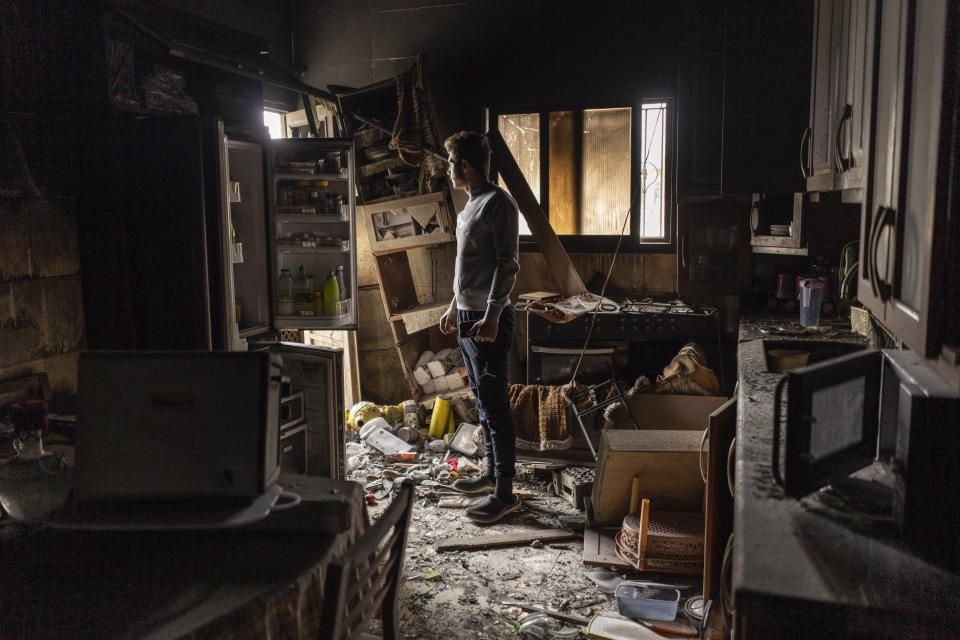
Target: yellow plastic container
pixel 441 417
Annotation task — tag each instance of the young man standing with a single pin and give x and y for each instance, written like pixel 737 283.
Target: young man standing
pixel 482 316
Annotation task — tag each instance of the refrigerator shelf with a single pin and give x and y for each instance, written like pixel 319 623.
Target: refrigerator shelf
pixel 334 249
pixel 289 217
pixel 329 177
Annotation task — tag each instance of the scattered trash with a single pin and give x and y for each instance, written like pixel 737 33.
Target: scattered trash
pixel 376 433
pixel 408 434
pixel 462 465
pixel 455 502
pixel 436 446
pixel 405 456
pixel 431 576
pixel 614 629
pixel 536 544
pixel 540 626
pixel 675 628
pixel 608 581
pixel 462 439
pixel 481 542
pixel 370 498
pixel 637 600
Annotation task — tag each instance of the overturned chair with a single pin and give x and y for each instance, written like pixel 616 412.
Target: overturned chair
pixel 367 577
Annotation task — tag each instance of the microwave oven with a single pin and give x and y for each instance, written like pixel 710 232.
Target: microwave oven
pixel 886 407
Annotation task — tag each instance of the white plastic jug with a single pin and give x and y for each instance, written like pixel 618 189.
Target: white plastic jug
pixel 376 434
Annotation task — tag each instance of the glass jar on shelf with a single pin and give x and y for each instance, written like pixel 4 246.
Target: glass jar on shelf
pixel 302 193
pixel 285 194
pixel 285 295
pixel 333 162
pixel 318 196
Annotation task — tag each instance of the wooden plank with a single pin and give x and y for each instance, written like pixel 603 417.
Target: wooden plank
pixel 599 548
pixel 396 283
pixel 351 371
pixel 422 316
pixel 718 503
pixel 543 234
pixel 380 166
pixel 505 540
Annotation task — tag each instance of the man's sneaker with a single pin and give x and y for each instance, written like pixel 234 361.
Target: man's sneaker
pixel 492 509
pixel 483 484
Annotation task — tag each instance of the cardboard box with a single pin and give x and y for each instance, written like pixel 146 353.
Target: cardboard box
pixel 663 453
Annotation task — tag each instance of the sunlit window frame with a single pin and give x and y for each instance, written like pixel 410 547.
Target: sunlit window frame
pixel 607 243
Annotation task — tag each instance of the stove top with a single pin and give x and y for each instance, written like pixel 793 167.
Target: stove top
pixel 675 306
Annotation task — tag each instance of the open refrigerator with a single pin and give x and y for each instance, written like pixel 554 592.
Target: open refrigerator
pixel 209 229
pixel 290 217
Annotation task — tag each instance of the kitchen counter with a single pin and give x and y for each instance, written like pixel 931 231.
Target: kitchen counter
pixel 799 568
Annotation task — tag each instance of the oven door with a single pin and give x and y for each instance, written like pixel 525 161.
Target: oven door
pixel 831 421
pixel 555 365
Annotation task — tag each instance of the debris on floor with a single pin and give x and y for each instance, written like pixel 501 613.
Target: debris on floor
pixel 521 577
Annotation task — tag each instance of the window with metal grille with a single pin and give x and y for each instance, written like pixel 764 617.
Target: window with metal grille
pixel 596 172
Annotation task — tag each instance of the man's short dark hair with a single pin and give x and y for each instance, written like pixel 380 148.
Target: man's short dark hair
pixel 472 147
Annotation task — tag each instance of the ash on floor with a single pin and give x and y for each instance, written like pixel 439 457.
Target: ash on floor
pixel 458 594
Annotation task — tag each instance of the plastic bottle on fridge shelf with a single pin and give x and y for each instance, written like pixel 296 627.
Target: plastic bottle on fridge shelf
pixel 285 295
pixel 303 292
pixel 331 295
pixel 344 293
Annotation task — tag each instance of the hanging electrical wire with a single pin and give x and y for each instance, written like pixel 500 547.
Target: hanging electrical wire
pixel 642 188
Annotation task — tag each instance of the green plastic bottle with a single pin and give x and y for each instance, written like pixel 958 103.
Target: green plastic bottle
pixel 331 295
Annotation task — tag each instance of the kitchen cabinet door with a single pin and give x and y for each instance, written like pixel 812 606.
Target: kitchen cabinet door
pixel 826 85
pixel 700 118
pixel 883 189
pixel 918 222
pixel 840 94
pixel 852 130
pixel 712 248
pixel 766 97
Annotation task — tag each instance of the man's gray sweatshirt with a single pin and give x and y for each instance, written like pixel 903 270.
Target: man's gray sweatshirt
pixel 487 248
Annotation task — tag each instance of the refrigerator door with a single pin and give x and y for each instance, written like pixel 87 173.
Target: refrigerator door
pixel 172 192
pixel 318 373
pixel 246 245
pixel 312 231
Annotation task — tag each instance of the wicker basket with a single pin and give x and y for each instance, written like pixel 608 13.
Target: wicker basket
pixel 674 542
pixel 860 320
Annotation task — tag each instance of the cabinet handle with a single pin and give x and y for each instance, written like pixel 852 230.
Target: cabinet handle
pixel 869 262
pixel 884 288
pixel 804 140
pixel 775 464
pixel 683 254
pixel 842 163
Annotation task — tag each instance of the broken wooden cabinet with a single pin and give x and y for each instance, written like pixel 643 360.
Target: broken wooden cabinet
pixel 405 223
pixel 422 221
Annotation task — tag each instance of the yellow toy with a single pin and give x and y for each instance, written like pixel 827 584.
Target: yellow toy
pixel 363 412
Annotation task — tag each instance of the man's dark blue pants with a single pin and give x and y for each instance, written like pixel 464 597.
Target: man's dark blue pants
pixel 486 364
